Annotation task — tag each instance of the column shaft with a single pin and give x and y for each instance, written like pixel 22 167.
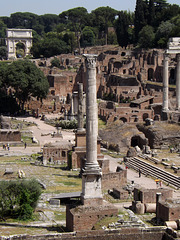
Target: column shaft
pixel 165 83
pixel 178 83
pixel 80 107
pixel 91 113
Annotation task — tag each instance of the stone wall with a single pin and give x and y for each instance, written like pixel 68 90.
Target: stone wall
pixel 114 179
pixel 83 218
pixel 122 234
pixel 169 210
pixel 149 195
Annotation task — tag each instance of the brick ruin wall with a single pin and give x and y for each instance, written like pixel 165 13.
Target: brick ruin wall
pixel 10 136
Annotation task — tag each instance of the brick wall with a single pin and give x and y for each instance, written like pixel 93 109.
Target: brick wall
pixel 10 136
pixel 114 179
pixel 83 217
pixel 149 195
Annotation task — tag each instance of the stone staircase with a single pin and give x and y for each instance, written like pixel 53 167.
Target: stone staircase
pixel 148 169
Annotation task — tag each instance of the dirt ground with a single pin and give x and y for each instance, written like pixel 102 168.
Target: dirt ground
pixel 56 180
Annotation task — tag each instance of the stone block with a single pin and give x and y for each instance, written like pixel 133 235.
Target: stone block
pixel 54 202
pixel 140 209
pixel 171 224
pixel 150 207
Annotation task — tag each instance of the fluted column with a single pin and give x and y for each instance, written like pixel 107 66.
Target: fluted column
pixel 91 112
pixel 165 83
pixel 80 107
pixel 178 83
pixel 91 174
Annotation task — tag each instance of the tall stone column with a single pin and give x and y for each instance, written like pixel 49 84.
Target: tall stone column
pixel 80 107
pixel 91 174
pixel 72 108
pixel 165 83
pixel 178 83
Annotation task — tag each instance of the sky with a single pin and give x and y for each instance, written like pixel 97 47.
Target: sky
pixel 41 7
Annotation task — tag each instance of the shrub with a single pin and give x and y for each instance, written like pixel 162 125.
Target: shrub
pixel 19 198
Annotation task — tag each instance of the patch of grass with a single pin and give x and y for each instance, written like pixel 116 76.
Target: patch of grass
pixel 70 183
pixel 101 124
pixel 105 222
pixel 59 216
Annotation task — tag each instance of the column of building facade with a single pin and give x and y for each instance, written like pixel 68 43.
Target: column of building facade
pixel 178 83
pixel 91 174
pixel 80 108
pixel 165 82
pixel 91 112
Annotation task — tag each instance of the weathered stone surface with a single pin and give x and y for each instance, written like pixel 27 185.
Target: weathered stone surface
pixel 161 134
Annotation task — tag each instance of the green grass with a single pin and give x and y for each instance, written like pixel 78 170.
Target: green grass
pixel 105 222
pixel 101 124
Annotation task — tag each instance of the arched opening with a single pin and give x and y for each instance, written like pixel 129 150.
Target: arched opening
pixel 117 65
pixel 20 50
pixel 156 117
pixel 123 119
pixel 172 78
pixel 145 115
pixel 138 141
pixel 150 74
pixel 123 54
pixel 135 117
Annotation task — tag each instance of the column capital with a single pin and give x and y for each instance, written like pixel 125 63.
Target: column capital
pixel 90 60
pixel 178 57
pixel 166 56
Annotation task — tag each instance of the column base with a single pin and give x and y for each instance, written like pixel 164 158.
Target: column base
pixel 91 187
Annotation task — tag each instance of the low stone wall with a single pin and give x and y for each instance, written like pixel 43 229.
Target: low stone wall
pixel 122 234
pixel 114 179
pixel 8 135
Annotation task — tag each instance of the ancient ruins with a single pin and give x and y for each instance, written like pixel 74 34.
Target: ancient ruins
pixel 15 36
pixel 133 92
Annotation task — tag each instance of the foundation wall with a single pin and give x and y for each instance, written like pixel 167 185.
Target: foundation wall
pixel 123 234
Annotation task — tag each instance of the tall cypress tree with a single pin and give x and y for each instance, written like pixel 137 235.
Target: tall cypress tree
pixel 122 26
pixel 151 13
pixel 140 17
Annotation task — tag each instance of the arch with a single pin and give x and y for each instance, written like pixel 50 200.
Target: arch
pixel 145 115
pixel 156 117
pixel 16 36
pixel 150 74
pixel 117 64
pixel 123 119
pixel 137 140
pixel 20 49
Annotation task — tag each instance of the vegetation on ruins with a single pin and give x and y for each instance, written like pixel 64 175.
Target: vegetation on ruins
pixel 75 28
pixel 18 199
pixel 20 80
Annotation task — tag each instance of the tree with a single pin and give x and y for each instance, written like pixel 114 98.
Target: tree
pixel 19 198
pixel 146 37
pixel 55 62
pixel 87 37
pixel 26 80
pixel 76 18
pixel 140 17
pixel 123 23
pixel 2 33
pixel 3 52
pixel 164 32
pixel 103 17
pixel 176 28
pixel 151 14
pixel 52 44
